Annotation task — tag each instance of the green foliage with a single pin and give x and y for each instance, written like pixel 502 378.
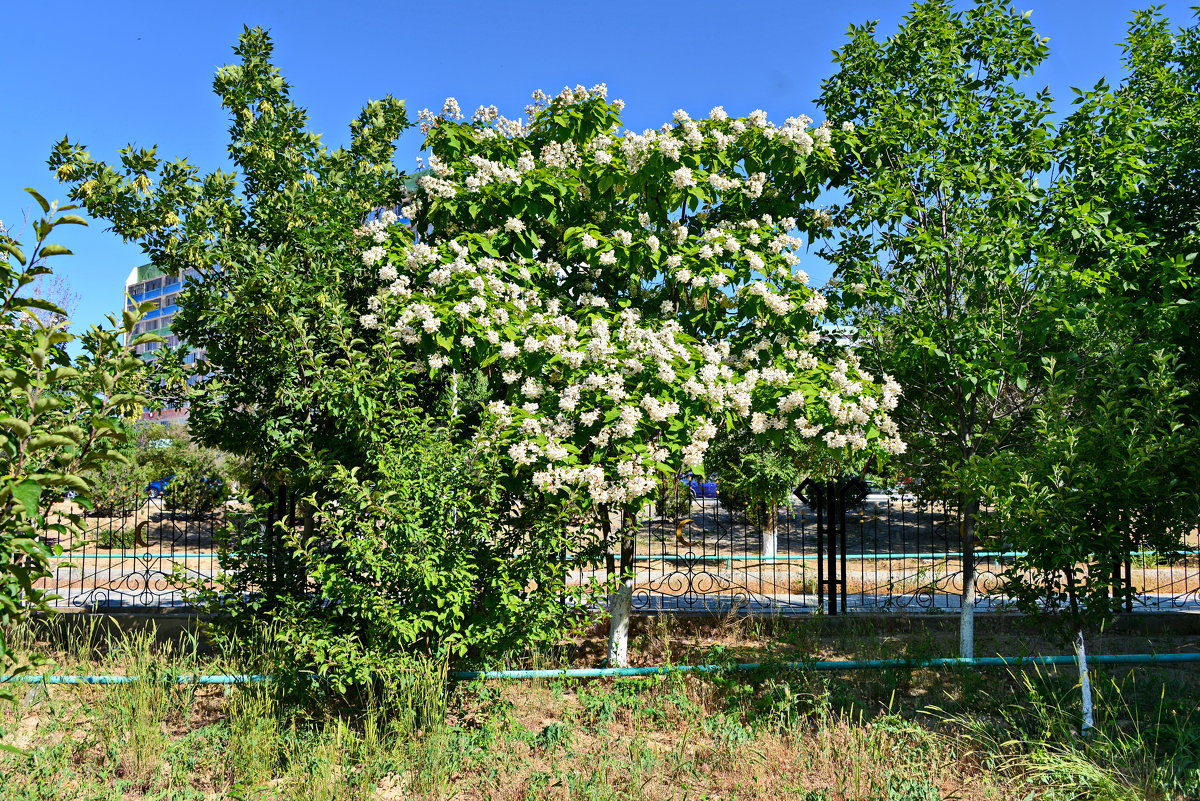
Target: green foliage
pixel 299 382
pixel 1112 470
pixel 426 557
pixel 936 264
pixel 282 284
pixel 1126 208
pixel 202 476
pixel 60 417
pixel 755 477
pixel 1108 478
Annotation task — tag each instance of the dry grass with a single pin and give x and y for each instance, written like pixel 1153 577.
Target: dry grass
pixel 818 737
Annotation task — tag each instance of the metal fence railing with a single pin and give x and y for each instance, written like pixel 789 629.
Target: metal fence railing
pixel 142 553
pixel 696 554
pixel 893 553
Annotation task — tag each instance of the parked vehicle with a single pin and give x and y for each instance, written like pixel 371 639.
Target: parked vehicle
pixel 184 493
pixel 155 489
pixel 698 486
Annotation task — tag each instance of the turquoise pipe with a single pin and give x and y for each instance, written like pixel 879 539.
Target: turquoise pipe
pixel 596 673
pixel 849 664
pixel 244 678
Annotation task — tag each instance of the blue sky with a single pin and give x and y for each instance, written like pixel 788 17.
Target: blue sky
pixel 109 74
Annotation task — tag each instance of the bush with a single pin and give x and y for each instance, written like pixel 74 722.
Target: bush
pixel 426 557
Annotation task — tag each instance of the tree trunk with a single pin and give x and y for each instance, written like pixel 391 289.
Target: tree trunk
pixel 620 601
pixel 770 531
pixel 966 631
pixel 1085 684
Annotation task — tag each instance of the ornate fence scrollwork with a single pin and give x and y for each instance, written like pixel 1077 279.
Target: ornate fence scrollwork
pixel 835 546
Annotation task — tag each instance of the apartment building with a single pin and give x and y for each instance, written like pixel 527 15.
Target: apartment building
pixel 149 284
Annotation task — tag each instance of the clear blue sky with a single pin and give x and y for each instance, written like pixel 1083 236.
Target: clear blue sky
pixel 132 71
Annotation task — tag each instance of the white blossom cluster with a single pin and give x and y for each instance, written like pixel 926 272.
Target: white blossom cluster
pixel 603 390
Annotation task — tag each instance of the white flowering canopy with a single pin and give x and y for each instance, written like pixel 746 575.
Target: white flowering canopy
pixel 627 294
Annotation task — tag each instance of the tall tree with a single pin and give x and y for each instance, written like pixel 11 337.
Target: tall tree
pixel 1116 464
pixel 937 256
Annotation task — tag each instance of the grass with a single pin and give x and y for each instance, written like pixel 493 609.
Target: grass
pixel 890 735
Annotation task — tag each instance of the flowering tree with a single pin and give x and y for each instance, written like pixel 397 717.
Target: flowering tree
pixel 627 295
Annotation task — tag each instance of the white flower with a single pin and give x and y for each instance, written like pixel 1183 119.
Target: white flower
pixel 515 225
pixel 683 178
pixel 718 113
pixel 369 321
pixel 608 257
pixel 372 255
pixel 847 126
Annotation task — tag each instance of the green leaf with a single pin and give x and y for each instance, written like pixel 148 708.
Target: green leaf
pixel 11 247
pixel 28 493
pixel 42 441
pixel 54 250
pixel 41 200
pixel 16 425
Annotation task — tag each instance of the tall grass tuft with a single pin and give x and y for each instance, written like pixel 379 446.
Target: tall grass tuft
pixel 1136 751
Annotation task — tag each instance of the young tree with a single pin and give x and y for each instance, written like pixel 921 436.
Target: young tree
pixel 60 417
pixel 936 264
pixel 1113 474
pixel 1114 469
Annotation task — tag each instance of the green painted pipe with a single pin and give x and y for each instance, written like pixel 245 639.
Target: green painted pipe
pixel 595 673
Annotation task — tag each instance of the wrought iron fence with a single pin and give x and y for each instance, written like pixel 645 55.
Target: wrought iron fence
pixel 140 552
pixel 842 547
pixel 850 550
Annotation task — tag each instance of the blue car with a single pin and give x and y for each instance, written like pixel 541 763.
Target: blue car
pixel 698 486
pixel 155 489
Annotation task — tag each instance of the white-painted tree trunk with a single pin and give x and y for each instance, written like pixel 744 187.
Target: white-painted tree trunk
pixel 770 535
pixel 966 622
pixel 620 605
pixel 1085 684
pixel 620 602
